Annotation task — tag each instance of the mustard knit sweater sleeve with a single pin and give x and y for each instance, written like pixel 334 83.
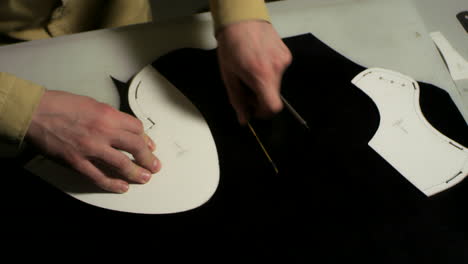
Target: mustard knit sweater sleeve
pixel 19 98
pixel 226 12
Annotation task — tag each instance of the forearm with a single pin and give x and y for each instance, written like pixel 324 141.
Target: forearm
pixel 18 100
pixel 227 12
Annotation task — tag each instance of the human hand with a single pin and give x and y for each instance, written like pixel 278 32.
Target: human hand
pixel 88 135
pixel 252 60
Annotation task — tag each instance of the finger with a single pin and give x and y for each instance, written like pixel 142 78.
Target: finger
pixel 138 148
pixel 149 142
pixel 88 169
pixel 123 166
pixel 237 97
pixel 129 123
pixel 267 91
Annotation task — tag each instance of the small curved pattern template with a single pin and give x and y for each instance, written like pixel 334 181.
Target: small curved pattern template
pixel 429 160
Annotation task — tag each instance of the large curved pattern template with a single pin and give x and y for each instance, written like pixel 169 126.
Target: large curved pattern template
pixel 428 159
pixel 185 146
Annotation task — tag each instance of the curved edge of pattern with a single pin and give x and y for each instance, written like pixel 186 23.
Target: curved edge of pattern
pixel 190 173
pixel 428 159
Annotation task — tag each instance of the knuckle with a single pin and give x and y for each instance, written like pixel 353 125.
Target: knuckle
pixel 260 68
pixel 288 59
pixel 106 111
pixel 253 66
pixel 126 168
pixel 103 183
pixel 100 130
pixel 278 65
pixel 275 107
pixel 139 125
pixel 139 146
pixel 288 56
pixel 84 144
pixel 259 72
pixel 124 165
pixel 269 109
pixel 96 127
pixel 134 145
pixel 281 62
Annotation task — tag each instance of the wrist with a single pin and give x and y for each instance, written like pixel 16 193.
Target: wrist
pixel 240 26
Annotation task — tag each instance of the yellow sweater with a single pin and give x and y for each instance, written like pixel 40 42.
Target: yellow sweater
pixel 31 20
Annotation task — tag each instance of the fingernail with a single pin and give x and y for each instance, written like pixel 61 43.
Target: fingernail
pixel 123 187
pixel 146 176
pixel 155 165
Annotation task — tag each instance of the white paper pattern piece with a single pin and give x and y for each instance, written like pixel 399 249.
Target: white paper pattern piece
pixel 457 65
pixel 185 146
pixel 428 159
